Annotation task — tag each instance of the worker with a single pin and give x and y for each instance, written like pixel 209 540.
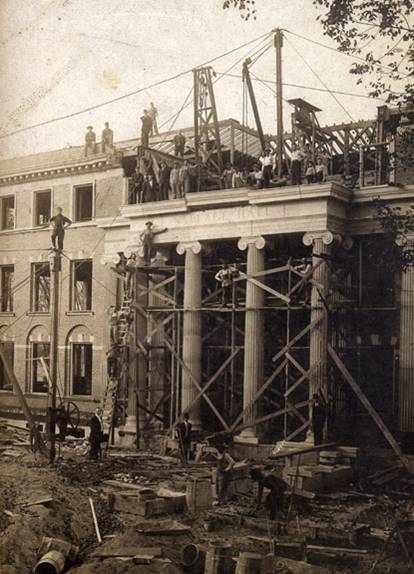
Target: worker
pixel 238 178
pixel 321 171
pixel 179 144
pixel 149 189
pixel 296 166
pixel 227 176
pixel 174 181
pixel 224 466
pixel 146 127
pixel 184 437
pixel 184 179
pixel 113 328
pixel 310 172
pixel 319 412
pixel 153 113
pixel 96 434
pixel 266 161
pixel 90 141
pixel 112 362
pixel 137 181
pixel 59 223
pixel 147 238
pixel 276 487
pixel 62 420
pixel 130 268
pixel 225 277
pixel 165 172
pixel 107 139
pixel 258 177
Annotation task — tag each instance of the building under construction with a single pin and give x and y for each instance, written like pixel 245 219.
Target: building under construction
pixel 312 304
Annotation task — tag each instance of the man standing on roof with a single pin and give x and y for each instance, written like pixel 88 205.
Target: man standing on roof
pixel 107 139
pixel 164 180
pixel 267 166
pixel 146 128
pixel 153 113
pixel 179 144
pixel 296 166
pixel 90 141
pixel 175 181
pixel 184 179
pixel 147 238
pixel 59 223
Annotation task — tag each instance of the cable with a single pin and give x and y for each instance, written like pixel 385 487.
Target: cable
pixel 270 82
pixel 135 92
pixel 337 51
pixel 320 79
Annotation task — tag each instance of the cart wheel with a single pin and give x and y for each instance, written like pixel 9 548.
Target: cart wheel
pixel 73 413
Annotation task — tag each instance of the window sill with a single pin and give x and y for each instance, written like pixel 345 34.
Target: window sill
pixel 71 313
pixel 7 313
pixel 8 391
pixel 39 395
pixel 86 398
pixel 41 313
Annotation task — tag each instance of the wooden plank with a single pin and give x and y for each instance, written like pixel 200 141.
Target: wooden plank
pixel 305 450
pixel 298 431
pixel 373 413
pixel 265 287
pixel 265 272
pixel 272 416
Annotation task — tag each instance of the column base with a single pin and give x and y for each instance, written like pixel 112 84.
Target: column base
pixel 126 436
pixel 247 436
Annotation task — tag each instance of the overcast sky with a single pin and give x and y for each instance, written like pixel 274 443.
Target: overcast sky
pixel 62 56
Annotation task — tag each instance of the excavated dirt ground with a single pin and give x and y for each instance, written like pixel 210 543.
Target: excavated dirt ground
pixel 73 479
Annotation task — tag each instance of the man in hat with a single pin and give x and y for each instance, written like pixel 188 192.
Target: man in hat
pixel 175 181
pixel 107 139
pixel 267 166
pixel 96 434
pixel 90 141
pixel 153 113
pixel 225 276
pixel 146 127
pixel 179 144
pixel 59 223
pixel 164 180
pixel 184 437
pixel 147 239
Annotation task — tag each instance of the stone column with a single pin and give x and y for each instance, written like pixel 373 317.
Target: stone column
pixel 157 382
pixel 191 328
pixel 254 332
pixel 406 369
pixel 321 247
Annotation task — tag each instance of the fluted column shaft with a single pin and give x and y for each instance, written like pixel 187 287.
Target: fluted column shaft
pixel 254 331
pixel 406 370
pixel 191 353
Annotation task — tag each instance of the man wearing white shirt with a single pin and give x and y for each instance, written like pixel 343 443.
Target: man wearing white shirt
pixel 296 166
pixel 267 166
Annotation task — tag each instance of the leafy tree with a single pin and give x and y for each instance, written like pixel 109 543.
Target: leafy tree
pixel 398 226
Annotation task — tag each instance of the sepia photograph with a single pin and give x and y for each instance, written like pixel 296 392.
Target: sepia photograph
pixel 207 287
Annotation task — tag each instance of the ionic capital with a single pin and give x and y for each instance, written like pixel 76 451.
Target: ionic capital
pixel 257 241
pixel 327 238
pixel 195 246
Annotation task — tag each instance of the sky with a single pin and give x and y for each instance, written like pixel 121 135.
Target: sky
pixel 59 57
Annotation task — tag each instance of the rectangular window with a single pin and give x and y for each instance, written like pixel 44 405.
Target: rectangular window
pixel 81 285
pixel 83 202
pixel 81 368
pixel 42 207
pixel 6 285
pixel 8 350
pixel 40 358
pixel 7 212
pixel 40 301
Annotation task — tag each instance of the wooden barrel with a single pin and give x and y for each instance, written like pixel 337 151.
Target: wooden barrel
pixel 199 494
pixel 249 563
pixel 219 559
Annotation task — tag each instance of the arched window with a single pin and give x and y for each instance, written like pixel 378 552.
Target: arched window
pixel 38 360
pixel 79 344
pixel 8 349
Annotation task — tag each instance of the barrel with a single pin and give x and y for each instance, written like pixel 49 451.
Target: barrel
pixel 199 494
pixel 51 563
pixel 219 559
pixel 193 558
pixel 249 563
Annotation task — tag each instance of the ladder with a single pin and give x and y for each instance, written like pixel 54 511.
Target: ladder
pixel 110 398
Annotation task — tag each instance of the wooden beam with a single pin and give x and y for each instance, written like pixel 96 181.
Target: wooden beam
pixel 197 384
pixel 272 416
pixel 295 339
pixel 372 412
pixel 298 431
pixel 265 287
pixel 259 393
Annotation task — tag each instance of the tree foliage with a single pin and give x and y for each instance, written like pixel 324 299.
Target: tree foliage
pixel 398 226
pixel 378 33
